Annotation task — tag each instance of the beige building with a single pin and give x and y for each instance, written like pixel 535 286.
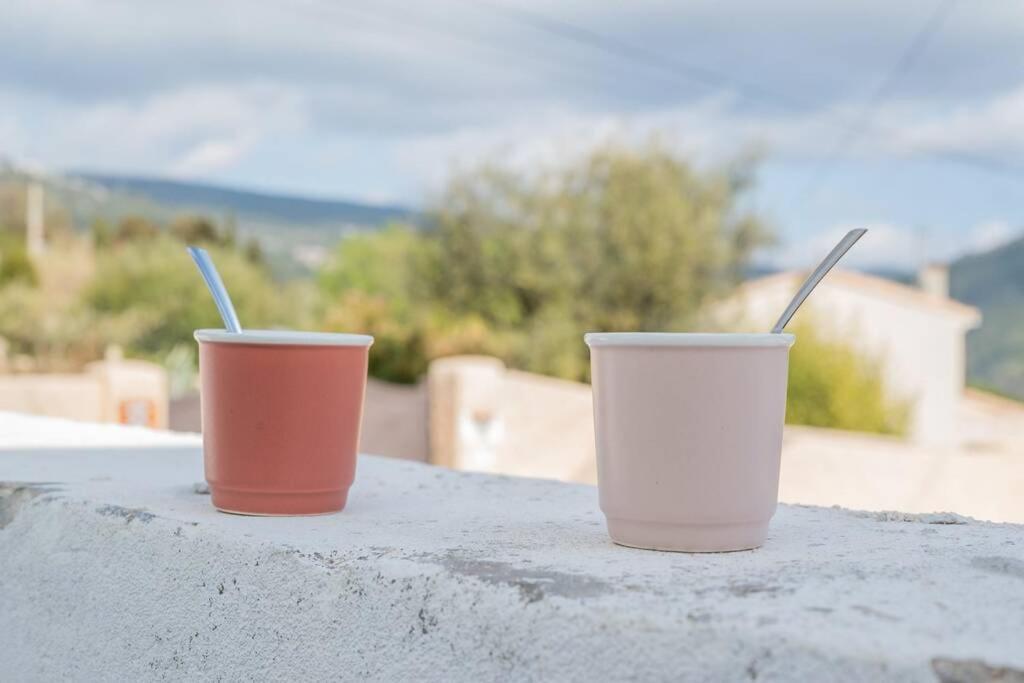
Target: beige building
pixel 917 334
pixel 111 390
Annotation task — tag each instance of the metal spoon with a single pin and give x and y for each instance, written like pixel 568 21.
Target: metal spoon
pixel 814 278
pixel 216 287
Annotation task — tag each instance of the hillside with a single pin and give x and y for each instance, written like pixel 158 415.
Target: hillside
pixel 248 204
pixel 994 282
pixel 295 232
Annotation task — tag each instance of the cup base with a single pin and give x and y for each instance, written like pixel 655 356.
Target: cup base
pixel 272 504
pixel 687 538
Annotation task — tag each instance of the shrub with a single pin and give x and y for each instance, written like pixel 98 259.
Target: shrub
pixel 155 285
pixel 832 385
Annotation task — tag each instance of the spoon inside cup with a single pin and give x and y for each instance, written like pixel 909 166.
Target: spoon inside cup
pixel 217 289
pixel 814 278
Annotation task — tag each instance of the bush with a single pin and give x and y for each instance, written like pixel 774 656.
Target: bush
pixel 15 264
pixel 831 385
pixel 152 289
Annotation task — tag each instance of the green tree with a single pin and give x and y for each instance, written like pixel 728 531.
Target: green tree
pixel 373 283
pixel 135 229
pixel 15 264
pixel 195 230
pixel 624 240
pixel 155 286
pixel 387 263
pixel 254 252
pixel 102 234
pixel 521 265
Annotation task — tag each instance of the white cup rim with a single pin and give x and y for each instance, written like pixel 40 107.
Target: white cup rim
pixel 282 338
pixel 689 339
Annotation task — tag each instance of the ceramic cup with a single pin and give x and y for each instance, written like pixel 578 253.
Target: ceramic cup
pixel 689 436
pixel 281 413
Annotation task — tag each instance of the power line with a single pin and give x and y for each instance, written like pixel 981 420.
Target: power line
pixel 885 88
pixel 710 78
pixel 324 9
pixel 692 73
pixel 688 72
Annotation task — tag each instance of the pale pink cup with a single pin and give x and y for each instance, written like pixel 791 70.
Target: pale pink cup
pixel 689 436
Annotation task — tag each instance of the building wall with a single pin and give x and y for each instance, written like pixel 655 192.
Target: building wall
pixel 77 397
pixel 921 349
pixel 529 425
pixel 488 419
pixel 112 390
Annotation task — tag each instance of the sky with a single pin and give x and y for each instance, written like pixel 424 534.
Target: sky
pixel 903 117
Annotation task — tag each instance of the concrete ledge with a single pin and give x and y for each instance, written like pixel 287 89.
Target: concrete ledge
pixel 113 568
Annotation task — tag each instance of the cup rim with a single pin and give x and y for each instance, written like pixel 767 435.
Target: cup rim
pixel 282 338
pixel 690 339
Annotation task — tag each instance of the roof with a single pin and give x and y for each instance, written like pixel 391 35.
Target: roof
pixel 881 287
pixel 994 402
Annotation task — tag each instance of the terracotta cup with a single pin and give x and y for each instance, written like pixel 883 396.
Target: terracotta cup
pixel 281 415
pixel 689 436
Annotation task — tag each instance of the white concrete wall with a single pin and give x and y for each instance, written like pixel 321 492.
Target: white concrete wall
pixel 484 418
pixel 114 569
pixel 547 431
pixel 828 467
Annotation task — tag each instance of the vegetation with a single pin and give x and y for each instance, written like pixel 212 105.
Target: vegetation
pixel 513 265
pixel 15 265
pixel 831 385
pixel 520 265
pixel 149 292
pixel 994 282
pixel 133 285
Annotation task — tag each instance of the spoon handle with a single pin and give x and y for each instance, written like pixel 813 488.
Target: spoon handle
pixel 814 278
pixel 216 287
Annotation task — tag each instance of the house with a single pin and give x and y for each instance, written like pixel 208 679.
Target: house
pixel 916 334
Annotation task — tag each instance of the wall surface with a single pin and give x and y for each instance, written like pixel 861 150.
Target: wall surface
pixel 828 467
pixel 72 396
pixel 113 568
pixel 919 343
pixel 509 422
pixel 115 390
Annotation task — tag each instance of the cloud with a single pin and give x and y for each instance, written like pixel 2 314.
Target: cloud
pixel 435 67
pixel 895 247
pixel 990 235
pixel 383 99
pixel 884 246
pixel 189 130
pixel 211 155
pixel 994 126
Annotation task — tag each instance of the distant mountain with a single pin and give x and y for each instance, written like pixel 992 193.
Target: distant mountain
pixel 904 277
pixel 296 233
pixel 248 204
pixel 994 282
